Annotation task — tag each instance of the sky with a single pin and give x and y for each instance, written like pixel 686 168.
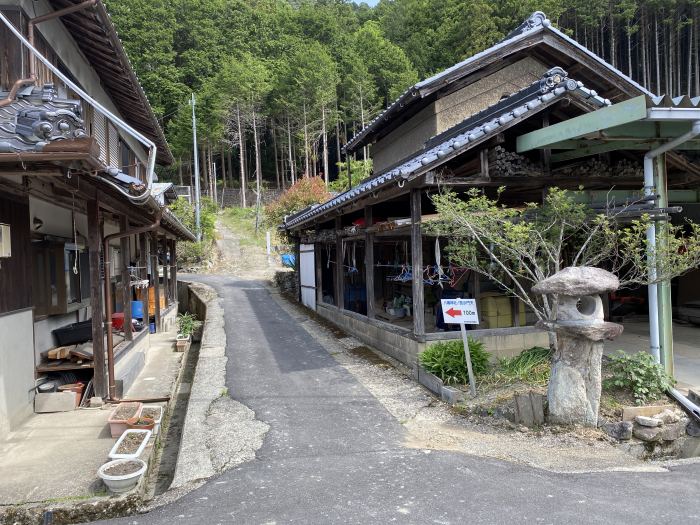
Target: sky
pixel 371 3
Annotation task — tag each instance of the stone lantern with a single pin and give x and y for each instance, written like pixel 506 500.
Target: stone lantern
pixel 580 328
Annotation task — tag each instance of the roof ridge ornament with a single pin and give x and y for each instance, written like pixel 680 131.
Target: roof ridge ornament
pixel 536 19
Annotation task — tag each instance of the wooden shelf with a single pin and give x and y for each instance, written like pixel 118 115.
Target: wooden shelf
pixel 45 368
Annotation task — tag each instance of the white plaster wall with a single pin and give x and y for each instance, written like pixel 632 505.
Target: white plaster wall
pixel 16 368
pixel 60 40
pixel 57 220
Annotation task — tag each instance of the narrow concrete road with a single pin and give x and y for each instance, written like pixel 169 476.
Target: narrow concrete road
pixel 334 454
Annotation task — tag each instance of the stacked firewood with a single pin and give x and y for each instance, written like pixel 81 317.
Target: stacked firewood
pixel 596 168
pixel 504 163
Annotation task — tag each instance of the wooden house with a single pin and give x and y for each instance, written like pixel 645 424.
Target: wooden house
pixel 365 260
pixel 83 228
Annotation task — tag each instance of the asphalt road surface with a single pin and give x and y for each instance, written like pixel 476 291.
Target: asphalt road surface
pixel 333 454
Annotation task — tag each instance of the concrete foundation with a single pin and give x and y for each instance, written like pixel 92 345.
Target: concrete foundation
pixel 401 345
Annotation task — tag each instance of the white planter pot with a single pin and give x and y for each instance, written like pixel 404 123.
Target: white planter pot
pixel 113 453
pixel 120 484
pixel 157 419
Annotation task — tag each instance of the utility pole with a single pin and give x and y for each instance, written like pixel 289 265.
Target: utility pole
pixel 196 174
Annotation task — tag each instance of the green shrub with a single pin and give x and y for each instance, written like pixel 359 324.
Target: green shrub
pixel 639 374
pixel 446 360
pixel 187 324
pixel 531 366
pixel 302 194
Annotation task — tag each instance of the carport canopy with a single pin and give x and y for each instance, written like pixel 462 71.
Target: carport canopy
pixel 654 125
pixel 641 123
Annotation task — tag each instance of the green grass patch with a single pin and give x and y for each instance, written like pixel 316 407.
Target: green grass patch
pixel 241 221
pixel 531 366
pixel 446 360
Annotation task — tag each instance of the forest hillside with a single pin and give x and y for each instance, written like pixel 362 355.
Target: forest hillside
pixel 281 85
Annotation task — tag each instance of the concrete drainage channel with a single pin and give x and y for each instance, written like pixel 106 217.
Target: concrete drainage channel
pixel 195 440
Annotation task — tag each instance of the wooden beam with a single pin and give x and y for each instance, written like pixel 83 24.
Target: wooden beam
pixel 98 349
pixel 339 280
pixel 417 262
pixel 125 249
pixel 156 277
pixel 369 263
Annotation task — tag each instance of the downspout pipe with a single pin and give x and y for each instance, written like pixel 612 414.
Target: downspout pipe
pixel 649 191
pixel 112 386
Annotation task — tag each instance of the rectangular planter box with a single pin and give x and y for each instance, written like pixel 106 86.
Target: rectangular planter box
pixel 74 334
pixel 118 426
pixel 146 436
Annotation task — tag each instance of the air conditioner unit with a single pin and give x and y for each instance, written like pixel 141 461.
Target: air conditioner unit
pixel 5 244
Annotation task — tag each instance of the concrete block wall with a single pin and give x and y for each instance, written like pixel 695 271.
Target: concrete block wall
pixel 398 346
pixel 406 349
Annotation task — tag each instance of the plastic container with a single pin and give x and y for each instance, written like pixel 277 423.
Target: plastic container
pixel 118 320
pixel 157 418
pixel 152 327
pixel 288 260
pixel 118 426
pixel 134 455
pixel 120 484
pixel 74 334
pixel 46 388
pixel 137 309
pixel 74 387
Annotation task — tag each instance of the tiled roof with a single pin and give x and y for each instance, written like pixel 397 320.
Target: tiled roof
pixel 536 23
pixel 474 130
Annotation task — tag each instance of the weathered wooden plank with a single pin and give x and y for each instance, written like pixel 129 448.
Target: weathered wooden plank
pixel 125 248
pixel 156 277
pixel 369 263
pixel 94 242
pixel 339 280
pixel 417 262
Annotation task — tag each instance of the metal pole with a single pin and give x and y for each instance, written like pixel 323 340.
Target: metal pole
pixel 468 358
pixel 665 308
pixel 197 193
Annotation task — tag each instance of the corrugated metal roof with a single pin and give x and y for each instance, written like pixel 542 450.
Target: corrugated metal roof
pixel 666 101
pixel 535 23
pixel 462 137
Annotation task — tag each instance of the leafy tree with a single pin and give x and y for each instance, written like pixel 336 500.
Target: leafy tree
pixel 518 247
pixel 304 193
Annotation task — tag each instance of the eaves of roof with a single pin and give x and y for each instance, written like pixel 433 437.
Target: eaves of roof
pixel 96 36
pixel 536 23
pixel 472 131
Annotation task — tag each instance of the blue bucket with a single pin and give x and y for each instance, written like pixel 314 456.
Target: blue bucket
pixel 137 309
pixel 152 327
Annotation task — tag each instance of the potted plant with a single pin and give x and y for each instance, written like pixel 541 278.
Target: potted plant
pixel 120 415
pixel 154 412
pixel 122 475
pixel 131 444
pixel 187 327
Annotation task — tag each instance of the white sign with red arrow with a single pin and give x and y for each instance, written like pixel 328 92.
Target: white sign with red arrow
pixel 460 311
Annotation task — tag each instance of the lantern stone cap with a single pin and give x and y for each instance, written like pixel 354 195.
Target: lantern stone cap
pixel 576 281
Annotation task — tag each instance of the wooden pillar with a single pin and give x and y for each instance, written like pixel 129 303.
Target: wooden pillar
pixel 143 262
pixel 173 268
pixel 125 248
pixel 339 261
pixel 417 258
pixel 156 278
pixel 369 264
pixel 166 273
pixel 318 250
pixel 98 341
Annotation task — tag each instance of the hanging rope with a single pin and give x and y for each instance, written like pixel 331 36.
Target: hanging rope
pixel 75 238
